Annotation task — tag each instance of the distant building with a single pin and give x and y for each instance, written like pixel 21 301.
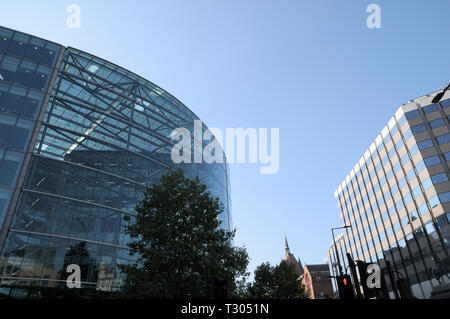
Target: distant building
pixel 317 282
pixel 290 258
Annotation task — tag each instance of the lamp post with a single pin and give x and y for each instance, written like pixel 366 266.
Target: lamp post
pixel 335 248
pixel 439 96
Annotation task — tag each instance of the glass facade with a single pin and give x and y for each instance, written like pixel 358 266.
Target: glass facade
pixel 85 157
pixel 396 200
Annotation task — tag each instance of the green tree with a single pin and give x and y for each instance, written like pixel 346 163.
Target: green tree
pixel 279 282
pixel 263 285
pixel 181 250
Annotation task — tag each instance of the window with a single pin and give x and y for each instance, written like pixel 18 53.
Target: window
pixel 425 144
pixel 387 138
pixel 391 152
pixel 401 121
pixel 433 160
pixel 445 103
pixel 411 174
pixel 402 182
pixel 412 114
pixel 437 123
pixel 394 189
pixel 394 130
pixel 389 231
pixel 399 204
pixel 378 167
pixel 9 168
pixel 439 178
pixel 423 209
pixel 397 166
pixel 443 138
pixel 389 174
pixel 442 220
pixel 418 129
pixel 405 221
pixel 405 159
pixel 420 166
pixel 429 108
pixel 399 144
pixel 417 191
pixel 427 183
pixel 447 156
pixel 376 187
pixel 444 197
pixel 408 199
pixel 414 150
pixel 434 201
pixel 408 134
pixel 429 227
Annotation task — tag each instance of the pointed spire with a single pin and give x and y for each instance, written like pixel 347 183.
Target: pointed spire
pixel 286 246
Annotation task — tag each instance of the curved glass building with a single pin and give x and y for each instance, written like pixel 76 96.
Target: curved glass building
pixel 80 138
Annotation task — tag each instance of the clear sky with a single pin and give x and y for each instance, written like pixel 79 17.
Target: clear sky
pixel 311 68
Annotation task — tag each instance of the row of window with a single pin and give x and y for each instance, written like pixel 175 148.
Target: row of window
pixel 430 161
pixel 23 45
pixel 414 130
pixel 25 73
pixel 16 100
pixel 369 231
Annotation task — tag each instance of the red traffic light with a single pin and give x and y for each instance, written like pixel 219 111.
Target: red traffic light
pixel 344 281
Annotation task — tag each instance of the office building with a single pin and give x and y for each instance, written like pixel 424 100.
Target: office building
pixel 80 138
pixel 396 200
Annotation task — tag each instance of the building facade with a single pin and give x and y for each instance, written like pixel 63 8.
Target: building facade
pixel 317 282
pixel 396 200
pixel 80 138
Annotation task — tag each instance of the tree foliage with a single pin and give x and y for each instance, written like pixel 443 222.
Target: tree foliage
pixel 279 282
pixel 181 250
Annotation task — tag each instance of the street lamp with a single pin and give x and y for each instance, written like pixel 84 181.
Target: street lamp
pixel 335 249
pixel 439 96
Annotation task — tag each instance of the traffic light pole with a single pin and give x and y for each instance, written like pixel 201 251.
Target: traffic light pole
pixel 352 266
pixel 336 252
pixel 391 278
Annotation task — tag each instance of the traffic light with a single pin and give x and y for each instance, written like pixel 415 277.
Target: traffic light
pixel 345 287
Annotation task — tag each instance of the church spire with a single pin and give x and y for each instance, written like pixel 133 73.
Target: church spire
pixel 286 246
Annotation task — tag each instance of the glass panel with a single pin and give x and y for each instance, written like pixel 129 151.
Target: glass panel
pixel 10 167
pixel 8 68
pixel 412 114
pixel 5 196
pixel 21 135
pixel 429 108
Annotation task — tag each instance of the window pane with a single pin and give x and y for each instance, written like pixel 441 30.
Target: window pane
pixel 445 103
pixel 418 128
pixel 437 123
pixel 9 168
pixel 425 144
pixel 429 108
pixel 443 138
pixel 439 178
pixel 433 160
pixel 412 114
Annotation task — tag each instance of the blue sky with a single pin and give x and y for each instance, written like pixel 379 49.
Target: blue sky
pixel 310 68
